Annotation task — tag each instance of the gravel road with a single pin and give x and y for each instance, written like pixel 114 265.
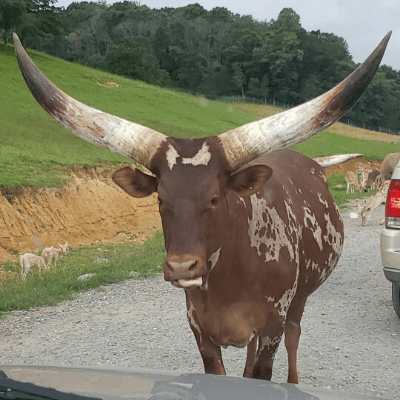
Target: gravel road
pixel 350 333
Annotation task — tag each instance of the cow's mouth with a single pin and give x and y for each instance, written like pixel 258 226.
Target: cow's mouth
pixel 188 283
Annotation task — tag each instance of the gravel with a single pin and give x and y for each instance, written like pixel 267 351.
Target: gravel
pixel 350 334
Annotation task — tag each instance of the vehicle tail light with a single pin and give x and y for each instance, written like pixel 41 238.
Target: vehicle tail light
pixel 392 212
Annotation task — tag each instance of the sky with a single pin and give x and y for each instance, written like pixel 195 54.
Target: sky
pixel 362 23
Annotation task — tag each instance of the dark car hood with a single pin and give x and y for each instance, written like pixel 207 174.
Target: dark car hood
pixel 113 383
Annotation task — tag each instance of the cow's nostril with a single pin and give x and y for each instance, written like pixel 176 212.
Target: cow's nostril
pixel 170 266
pixel 193 266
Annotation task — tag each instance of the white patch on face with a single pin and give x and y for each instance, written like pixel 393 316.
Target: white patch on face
pixel 172 156
pixel 214 258
pixel 270 299
pixel 203 157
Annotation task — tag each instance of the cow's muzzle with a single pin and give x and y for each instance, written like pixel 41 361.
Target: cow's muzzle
pixel 185 271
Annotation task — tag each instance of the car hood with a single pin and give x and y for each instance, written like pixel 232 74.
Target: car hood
pixel 112 383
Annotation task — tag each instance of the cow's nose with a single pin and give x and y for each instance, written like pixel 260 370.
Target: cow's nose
pixel 181 268
pixel 185 267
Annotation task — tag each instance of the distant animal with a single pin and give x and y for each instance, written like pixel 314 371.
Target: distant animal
pixel 363 172
pixel 379 198
pixel 29 261
pixel 352 182
pixel 51 254
pixel 388 164
pixel 360 206
pixel 373 181
pixel 251 229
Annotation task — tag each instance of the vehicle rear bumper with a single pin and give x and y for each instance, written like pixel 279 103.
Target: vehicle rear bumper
pixel 390 254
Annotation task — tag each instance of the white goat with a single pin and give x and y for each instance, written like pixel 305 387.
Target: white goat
pixel 51 254
pixel 379 198
pixel 28 261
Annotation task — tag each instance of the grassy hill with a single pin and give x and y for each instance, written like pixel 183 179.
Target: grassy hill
pixel 35 149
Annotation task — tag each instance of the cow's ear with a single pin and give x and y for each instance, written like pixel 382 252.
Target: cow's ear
pixel 135 182
pixel 248 180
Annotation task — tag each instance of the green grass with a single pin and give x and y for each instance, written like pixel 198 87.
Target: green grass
pixel 328 143
pixel 34 147
pixel 36 151
pixel 61 282
pixel 337 187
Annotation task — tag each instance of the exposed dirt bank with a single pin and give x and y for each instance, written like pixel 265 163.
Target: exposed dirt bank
pixel 89 208
pixel 352 165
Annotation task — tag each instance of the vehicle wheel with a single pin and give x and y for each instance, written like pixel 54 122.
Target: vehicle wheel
pixel 396 298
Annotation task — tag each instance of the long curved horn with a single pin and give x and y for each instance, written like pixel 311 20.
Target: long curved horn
pixel 329 161
pixel 102 129
pixel 293 126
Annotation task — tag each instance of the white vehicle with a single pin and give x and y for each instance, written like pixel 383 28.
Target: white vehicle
pixel 390 238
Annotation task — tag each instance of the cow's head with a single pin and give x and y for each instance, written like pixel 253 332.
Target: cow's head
pixel 193 178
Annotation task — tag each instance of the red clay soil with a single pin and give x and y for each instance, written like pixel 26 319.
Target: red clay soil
pixel 88 209
pixel 91 208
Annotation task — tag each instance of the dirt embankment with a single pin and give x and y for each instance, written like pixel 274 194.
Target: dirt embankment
pixel 87 209
pixel 352 165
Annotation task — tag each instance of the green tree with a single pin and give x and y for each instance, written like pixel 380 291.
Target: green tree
pixel 11 12
pixel 326 61
pixel 279 56
pixel 136 59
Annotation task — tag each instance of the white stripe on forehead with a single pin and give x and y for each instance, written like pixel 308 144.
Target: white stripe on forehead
pixel 203 157
pixel 172 156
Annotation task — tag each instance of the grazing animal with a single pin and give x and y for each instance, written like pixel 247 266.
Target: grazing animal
pixel 250 229
pixel 373 180
pixel 352 182
pixel 51 254
pixel 388 164
pixel 360 206
pixel 379 198
pixel 28 261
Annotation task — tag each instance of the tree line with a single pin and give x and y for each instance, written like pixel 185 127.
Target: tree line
pixel 214 53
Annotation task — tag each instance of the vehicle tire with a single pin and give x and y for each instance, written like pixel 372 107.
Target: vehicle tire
pixel 396 298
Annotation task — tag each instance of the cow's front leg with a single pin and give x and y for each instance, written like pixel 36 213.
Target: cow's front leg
pixel 251 358
pixel 210 353
pixel 267 348
pixel 292 336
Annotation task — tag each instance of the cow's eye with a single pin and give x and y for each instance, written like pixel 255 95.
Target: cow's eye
pixel 215 201
pixel 159 200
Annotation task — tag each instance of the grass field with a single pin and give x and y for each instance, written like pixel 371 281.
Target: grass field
pixel 36 151
pixel 109 262
pixel 34 148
